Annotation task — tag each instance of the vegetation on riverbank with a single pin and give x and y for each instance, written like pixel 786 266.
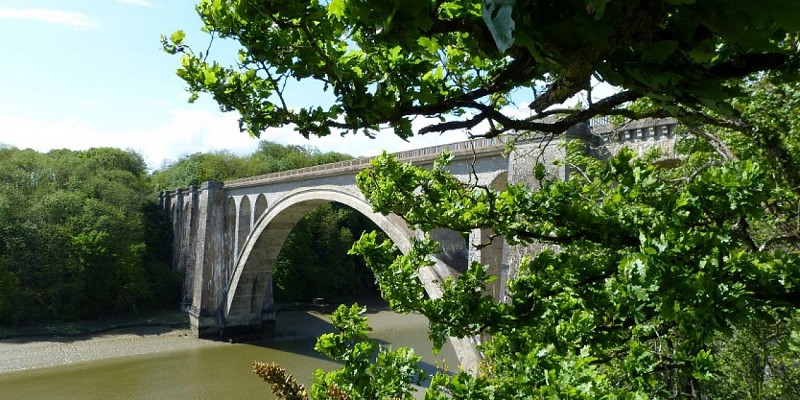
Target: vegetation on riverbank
pixel 80 237
pixel 172 319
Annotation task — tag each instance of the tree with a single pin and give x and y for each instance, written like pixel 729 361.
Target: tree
pixel 79 235
pixel 647 271
pixel 223 165
pixel 388 62
pixel 197 168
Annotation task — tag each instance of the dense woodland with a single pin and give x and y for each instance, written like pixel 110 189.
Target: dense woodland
pixel 222 165
pixel 81 235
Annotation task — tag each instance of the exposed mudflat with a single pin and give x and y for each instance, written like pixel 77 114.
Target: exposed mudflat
pixel 33 352
pixel 40 352
pixel 26 353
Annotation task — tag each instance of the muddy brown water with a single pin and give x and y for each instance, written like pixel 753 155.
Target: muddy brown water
pixel 173 366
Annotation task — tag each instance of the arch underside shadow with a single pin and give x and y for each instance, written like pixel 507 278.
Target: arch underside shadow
pixel 248 300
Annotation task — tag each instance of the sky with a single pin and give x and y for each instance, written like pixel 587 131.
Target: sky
pixel 91 73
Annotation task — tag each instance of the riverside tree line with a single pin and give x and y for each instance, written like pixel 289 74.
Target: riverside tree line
pixel 82 236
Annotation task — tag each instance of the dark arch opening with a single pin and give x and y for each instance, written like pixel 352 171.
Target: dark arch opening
pixel 243 226
pixel 314 265
pixel 188 228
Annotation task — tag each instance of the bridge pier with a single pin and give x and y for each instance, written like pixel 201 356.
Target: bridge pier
pixel 203 323
pixel 207 269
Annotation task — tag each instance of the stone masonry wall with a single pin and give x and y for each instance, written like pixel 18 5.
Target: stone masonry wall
pixel 601 141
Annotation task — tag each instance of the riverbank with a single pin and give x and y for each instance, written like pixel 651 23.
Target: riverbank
pixel 172 319
pixel 213 370
pixel 57 344
pixel 27 352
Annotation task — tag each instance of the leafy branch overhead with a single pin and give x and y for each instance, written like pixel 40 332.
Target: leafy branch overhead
pixel 389 62
pixel 654 268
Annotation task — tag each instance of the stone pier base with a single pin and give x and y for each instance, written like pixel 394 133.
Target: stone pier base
pixel 203 325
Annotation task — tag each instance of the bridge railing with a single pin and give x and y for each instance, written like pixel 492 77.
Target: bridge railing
pixel 637 130
pixel 632 131
pixel 416 155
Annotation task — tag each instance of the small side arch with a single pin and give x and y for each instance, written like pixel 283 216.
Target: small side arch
pixel 230 236
pixel 186 262
pixel 260 208
pixel 243 226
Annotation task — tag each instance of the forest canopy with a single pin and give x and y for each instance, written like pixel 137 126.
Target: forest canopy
pixel 222 165
pixel 80 237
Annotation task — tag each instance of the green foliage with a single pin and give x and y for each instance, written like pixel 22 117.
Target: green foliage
pixel 369 371
pixel 223 165
pixel 759 362
pixel 652 266
pixel 387 62
pixel 9 295
pixel 198 168
pixel 77 236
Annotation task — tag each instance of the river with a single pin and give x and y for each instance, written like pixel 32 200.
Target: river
pixel 188 368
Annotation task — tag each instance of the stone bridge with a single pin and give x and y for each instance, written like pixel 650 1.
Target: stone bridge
pixel 227 235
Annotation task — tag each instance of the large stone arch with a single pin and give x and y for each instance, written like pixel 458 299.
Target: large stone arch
pixel 248 298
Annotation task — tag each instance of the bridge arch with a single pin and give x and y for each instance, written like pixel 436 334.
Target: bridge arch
pixel 248 300
pixel 227 275
pixel 262 246
pixel 261 206
pixel 243 226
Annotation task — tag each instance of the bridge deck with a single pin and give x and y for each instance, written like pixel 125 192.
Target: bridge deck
pixel 422 155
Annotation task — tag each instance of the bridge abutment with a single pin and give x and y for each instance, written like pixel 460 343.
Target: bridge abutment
pixel 209 250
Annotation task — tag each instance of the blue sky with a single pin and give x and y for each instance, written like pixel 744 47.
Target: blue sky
pixel 87 73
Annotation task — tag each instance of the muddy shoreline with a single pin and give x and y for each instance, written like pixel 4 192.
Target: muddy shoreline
pixel 26 353
pixel 22 352
pixel 33 352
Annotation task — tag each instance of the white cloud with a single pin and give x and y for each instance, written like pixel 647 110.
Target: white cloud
pixel 195 130
pixel 186 132
pixel 70 19
pixel 142 3
pixel 199 129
